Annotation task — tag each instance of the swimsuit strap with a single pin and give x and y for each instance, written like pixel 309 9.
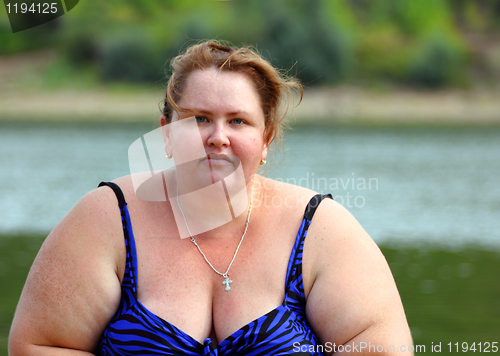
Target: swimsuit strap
pixel 294 287
pixel 129 282
pixel 118 192
pixel 313 205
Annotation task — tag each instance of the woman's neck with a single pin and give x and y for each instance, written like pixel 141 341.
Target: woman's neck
pixel 218 210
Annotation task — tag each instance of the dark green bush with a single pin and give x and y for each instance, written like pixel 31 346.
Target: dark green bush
pixel 36 38
pixel 319 51
pixel 437 63
pixel 131 56
pixel 81 48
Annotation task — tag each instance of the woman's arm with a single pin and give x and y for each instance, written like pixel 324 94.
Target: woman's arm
pixel 353 299
pixel 73 287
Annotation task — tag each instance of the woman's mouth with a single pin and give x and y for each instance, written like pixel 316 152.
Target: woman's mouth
pixel 218 159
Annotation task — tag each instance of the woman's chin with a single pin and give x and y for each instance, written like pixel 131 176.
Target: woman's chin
pixel 211 177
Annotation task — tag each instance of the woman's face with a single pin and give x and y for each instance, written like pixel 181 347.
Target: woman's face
pixel 226 108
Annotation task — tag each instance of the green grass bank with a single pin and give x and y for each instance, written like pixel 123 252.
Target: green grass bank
pixel 449 296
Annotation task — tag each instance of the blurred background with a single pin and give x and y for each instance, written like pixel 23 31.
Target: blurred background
pixel 400 121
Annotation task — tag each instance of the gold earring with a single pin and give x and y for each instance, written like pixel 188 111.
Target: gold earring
pixel 263 162
pixel 169 156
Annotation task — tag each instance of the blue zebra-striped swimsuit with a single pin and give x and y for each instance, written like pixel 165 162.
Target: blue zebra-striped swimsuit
pixel 134 330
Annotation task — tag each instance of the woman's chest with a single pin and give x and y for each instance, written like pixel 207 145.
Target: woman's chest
pixel 177 283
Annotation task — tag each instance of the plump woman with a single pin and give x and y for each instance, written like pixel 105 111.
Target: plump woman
pixel 117 277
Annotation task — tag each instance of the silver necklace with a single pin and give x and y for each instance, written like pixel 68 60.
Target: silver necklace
pixel 226 281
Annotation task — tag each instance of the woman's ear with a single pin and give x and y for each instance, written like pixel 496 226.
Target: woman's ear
pixel 264 152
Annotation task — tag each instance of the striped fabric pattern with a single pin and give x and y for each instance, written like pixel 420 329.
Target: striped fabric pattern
pixel 134 330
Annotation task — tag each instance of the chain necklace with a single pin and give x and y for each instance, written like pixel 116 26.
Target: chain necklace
pixel 226 281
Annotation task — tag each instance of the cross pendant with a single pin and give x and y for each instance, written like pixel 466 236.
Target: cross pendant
pixel 227 281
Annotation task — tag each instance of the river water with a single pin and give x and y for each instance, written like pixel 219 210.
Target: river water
pixel 406 185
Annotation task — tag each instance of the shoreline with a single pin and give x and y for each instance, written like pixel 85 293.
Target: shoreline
pixel 351 106
pixel 25 98
pixel 329 105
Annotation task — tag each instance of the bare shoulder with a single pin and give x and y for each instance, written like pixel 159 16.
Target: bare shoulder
pixel 288 194
pixel 95 221
pixel 73 288
pixel 334 229
pixel 126 185
pixel 335 240
pixel 352 294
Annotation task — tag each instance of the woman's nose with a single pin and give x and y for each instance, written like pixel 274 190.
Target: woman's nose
pixel 217 135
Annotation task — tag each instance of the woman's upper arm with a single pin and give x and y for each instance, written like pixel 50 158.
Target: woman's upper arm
pixel 73 287
pixel 353 299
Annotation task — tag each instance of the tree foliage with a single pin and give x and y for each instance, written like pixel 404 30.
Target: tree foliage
pixel 323 41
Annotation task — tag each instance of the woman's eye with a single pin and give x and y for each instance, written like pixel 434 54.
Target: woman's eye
pixel 200 119
pixel 237 121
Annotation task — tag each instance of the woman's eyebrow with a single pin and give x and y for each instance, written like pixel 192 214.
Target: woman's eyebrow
pixel 238 113
pixel 201 111
pixel 205 112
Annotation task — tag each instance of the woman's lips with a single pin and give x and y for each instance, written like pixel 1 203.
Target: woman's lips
pixel 218 159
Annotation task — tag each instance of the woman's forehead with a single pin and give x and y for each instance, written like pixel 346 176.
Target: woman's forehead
pixel 211 89
pixel 213 80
